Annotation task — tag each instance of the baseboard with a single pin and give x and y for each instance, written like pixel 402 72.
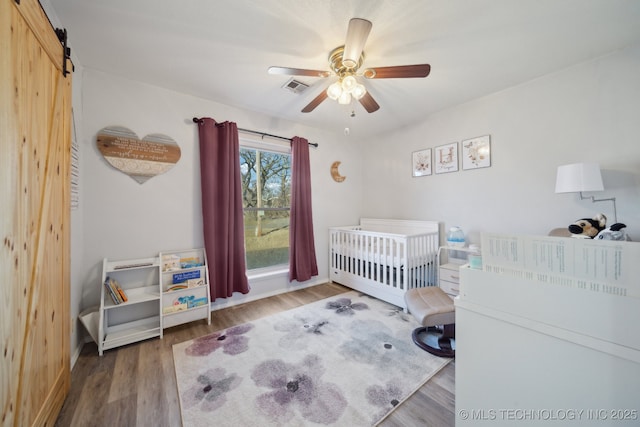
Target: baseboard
pixel 76 353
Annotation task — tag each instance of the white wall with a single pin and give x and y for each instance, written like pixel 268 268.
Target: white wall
pixel 123 219
pixel 586 113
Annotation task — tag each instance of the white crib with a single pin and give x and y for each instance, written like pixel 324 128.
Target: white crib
pixel 384 257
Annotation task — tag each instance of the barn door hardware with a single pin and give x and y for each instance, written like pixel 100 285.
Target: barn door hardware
pixel 66 51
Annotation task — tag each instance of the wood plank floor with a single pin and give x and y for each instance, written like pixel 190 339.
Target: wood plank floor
pixel 135 385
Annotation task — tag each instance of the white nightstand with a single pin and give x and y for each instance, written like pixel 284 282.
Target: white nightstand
pixel 449 278
pixel 449 272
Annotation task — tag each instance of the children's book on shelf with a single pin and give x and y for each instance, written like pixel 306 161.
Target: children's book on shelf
pixel 176 288
pixel 170 262
pixel 109 290
pixel 194 283
pixel 190 262
pixel 183 277
pixel 197 302
pixel 173 308
pixel 121 292
pixel 115 291
pixel 184 302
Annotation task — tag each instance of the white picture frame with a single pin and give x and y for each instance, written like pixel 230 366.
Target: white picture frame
pixel 476 152
pixel 421 163
pixel 446 158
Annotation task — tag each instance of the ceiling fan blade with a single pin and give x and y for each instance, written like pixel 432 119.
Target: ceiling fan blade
pixel 316 101
pixel 297 72
pixel 357 34
pixel 369 103
pixel 398 72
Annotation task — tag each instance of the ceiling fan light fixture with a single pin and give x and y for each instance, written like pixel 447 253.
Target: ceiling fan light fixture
pixel 348 83
pixel 345 63
pixel 334 91
pixel 358 91
pixel 345 98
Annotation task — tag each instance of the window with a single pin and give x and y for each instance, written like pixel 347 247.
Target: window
pixel 266 189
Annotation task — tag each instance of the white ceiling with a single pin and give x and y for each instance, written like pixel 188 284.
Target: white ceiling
pixel 220 50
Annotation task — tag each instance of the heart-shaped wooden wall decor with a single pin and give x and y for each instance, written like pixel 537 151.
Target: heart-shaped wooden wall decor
pixel 141 159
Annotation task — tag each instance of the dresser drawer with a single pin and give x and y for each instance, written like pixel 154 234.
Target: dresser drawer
pixel 450 279
pixel 450 288
pixel 450 275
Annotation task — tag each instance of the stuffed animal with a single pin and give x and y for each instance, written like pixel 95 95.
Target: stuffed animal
pixel 588 228
pixel 614 232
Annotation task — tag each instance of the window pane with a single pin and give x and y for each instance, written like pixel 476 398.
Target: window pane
pixel 266 236
pixel 270 179
pixel 266 188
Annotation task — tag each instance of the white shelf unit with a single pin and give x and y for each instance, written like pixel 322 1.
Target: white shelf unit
pixel 138 318
pixel 183 298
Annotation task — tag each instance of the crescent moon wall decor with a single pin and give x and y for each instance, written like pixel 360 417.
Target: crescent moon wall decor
pixel 335 173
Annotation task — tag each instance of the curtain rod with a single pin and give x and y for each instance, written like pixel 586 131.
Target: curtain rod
pixel 315 144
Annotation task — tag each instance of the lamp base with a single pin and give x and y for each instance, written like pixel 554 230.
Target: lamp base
pixel 611 199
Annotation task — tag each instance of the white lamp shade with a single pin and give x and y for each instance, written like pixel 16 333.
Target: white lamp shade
pixel 579 177
pixel 345 98
pixel 348 83
pixel 358 91
pixel 334 91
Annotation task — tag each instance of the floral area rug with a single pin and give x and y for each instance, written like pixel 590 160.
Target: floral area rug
pixel 343 361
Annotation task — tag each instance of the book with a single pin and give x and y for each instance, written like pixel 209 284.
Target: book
pixel 120 291
pixel 194 283
pixel 197 302
pixel 183 277
pixel 114 288
pixel 190 262
pixel 109 290
pixel 173 308
pixel 176 288
pixel 170 262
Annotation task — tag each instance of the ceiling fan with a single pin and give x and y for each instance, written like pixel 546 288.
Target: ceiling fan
pixel 345 62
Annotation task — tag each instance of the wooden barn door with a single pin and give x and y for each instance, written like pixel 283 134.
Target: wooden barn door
pixel 35 111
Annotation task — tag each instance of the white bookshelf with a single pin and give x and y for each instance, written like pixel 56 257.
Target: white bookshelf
pixel 162 291
pixel 138 318
pixel 185 287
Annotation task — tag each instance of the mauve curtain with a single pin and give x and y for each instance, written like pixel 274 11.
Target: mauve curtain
pixel 222 207
pixel 302 252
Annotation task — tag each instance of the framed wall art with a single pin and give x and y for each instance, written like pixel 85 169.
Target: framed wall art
pixel 476 152
pixel 421 162
pixel 446 158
